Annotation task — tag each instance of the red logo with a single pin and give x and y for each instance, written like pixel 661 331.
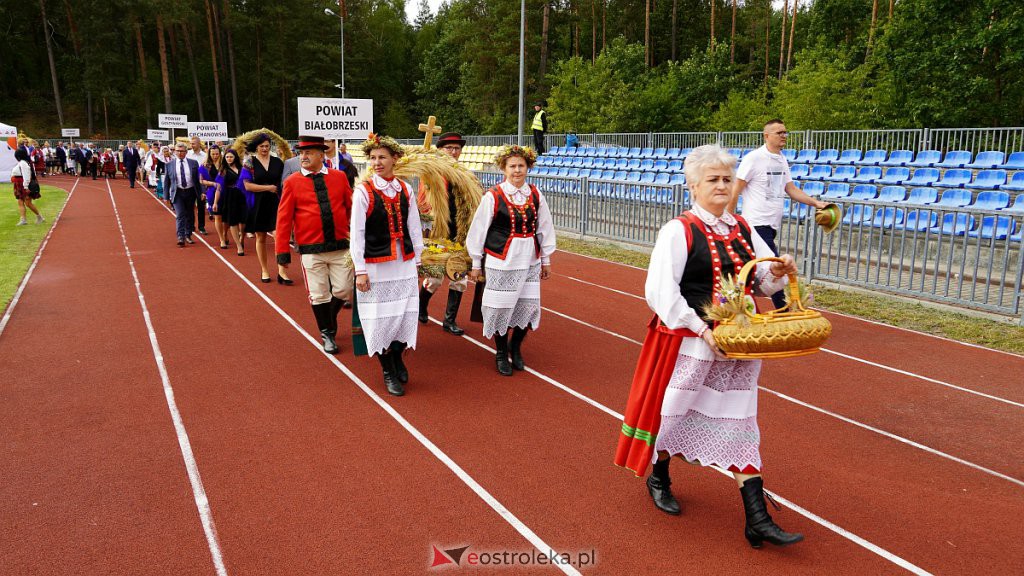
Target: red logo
pixel 450 556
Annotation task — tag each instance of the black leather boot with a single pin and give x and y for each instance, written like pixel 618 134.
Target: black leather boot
pixel 450 311
pixel 323 315
pixel 424 300
pixel 515 348
pixel 501 356
pixel 401 372
pixel 658 484
pixel 760 526
pixel 391 382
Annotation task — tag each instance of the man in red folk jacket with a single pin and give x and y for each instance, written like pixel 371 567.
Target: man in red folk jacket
pixel 316 203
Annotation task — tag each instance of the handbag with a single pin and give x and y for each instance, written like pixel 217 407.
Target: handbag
pixel 33 187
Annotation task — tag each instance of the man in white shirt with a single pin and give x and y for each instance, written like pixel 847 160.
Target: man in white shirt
pixel 764 180
pixel 181 185
pixel 199 155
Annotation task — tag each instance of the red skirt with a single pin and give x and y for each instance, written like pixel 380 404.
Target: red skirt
pixel 20 192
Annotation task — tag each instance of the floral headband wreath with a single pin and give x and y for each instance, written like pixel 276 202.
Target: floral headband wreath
pixel 374 141
pixel 509 150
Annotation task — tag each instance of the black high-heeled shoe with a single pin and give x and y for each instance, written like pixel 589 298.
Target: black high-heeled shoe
pixel 265 280
pixel 283 280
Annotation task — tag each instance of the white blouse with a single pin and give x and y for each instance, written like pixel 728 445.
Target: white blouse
pixel 477 236
pixel 360 204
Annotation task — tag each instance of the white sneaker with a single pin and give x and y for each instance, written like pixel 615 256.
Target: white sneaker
pixel 22 222
pixel 40 219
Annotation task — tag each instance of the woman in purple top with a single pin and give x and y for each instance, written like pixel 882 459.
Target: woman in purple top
pixel 208 172
pixel 230 198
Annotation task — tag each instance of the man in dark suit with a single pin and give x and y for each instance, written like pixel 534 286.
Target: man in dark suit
pixel 181 185
pixel 131 159
pixel 92 161
pixel 62 158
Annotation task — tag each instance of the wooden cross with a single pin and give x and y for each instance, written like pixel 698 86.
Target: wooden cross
pixel 430 128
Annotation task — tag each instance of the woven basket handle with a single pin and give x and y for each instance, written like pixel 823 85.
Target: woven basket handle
pixel 794 286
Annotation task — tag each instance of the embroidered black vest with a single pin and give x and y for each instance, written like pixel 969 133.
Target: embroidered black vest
pixel 697 284
pixel 511 221
pixel 385 223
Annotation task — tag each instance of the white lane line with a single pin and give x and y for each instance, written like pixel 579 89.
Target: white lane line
pixel 847 356
pixel 968 344
pixel 459 472
pixel 798 509
pixel 591 326
pixel 32 267
pixel 198 492
pixel 834 415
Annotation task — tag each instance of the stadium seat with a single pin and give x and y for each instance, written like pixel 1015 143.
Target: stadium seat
pixel 817 188
pixel 633 176
pixel 988 180
pixel 660 153
pixel 1014 162
pixel 1018 205
pixel 842 174
pixel 621 163
pixel 921 220
pixel 888 218
pixel 998 227
pixel 633 164
pixel 923 196
pixel 924 177
pixel 621 175
pixel 737 152
pixel 991 200
pixel 864 192
pixel 835 190
pixel 647 153
pixel 683 153
pixel 954 178
pixel 892 194
pixel 647 177
pixel 573 173
pixel 867 175
pixel 661 165
pixel 955 224
pixel 895 175
pixel 806 156
pixel 662 178
pixel 898 158
pixel 954 198
pixel 589 162
pixel 634 153
pixel 827 156
pixel 677 179
pixel 563 171
pixel 799 214
pixel 989 159
pixel 955 159
pixel 856 214
pixel 607 175
pixel 1015 184
pixel 675 165
pixel 873 158
pixel 799 171
pixel 819 173
pixel 673 153
pixel 647 164
pixel 850 156
pixel 577 162
pixel 926 158
pixel 789 154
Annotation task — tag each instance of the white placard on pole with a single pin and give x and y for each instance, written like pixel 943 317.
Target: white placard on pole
pixel 70 132
pixel 345 118
pixel 157 135
pixel 172 120
pixel 208 130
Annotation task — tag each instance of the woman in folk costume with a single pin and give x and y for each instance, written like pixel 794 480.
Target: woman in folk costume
pixel 109 164
pixel 687 399
pixel 386 242
pixel 513 227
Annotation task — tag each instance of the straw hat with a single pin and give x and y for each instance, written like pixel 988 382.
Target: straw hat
pixel 829 217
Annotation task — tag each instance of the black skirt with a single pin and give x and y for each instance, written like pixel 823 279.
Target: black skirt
pixel 263 216
pixel 232 207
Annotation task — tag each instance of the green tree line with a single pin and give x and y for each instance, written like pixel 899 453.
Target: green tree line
pixel 603 65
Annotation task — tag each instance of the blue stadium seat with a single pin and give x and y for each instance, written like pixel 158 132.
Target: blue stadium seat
pixel 633 176
pixel 888 218
pixel 895 175
pixel 892 194
pixel 684 152
pixel 539 170
pixel 608 175
pixel 955 224
pixel 988 159
pixel 991 200
pixel 673 153
pixel 849 156
pixel 789 154
pixel 647 178
pixel 923 196
pixel 955 159
pixel 589 162
pixel 898 158
pixel 988 180
pixel 661 165
pixel 647 153
pixel 827 156
pixel 614 152
pixel 926 158
pixel 556 150
pixel 819 173
pixel 806 156
pixel 633 164
pixel 660 153
pixel 864 192
pixel 577 162
pixel 603 151
pixel 573 173
pixel 798 171
pixel 842 174
pixel 621 163
pixel 835 190
pixel 1014 162
pixel 570 151
pixel 587 173
pixel 1015 184
pixel 662 178
pixel 634 153
pixel 924 177
pixel 956 178
pixel 737 152
pixel 998 227
pixel 621 175
pixel 647 164
pixel 817 188
pixel 921 220
pixel 563 171
pixel 954 198
pixel 856 214
pixel 1018 205
pixel 542 159
pixel 867 175
pixel 873 158
pixel 677 179
pixel 675 165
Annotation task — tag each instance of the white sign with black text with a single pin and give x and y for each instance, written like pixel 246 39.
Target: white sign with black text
pixel 208 130
pixel 173 121
pixel 345 118
pixel 70 132
pixel 157 135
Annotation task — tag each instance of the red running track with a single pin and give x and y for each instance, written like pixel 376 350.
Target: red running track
pixel 305 472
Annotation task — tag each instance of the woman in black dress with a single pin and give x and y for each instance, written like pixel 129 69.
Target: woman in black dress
pixel 265 185
pixel 229 198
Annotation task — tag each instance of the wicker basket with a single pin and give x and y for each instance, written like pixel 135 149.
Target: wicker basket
pixel 457 266
pixel 783 333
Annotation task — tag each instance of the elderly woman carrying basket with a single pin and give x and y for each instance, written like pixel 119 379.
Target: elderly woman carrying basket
pixel 687 398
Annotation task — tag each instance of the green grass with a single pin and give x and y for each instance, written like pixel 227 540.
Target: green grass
pixel 984 331
pixel 19 244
